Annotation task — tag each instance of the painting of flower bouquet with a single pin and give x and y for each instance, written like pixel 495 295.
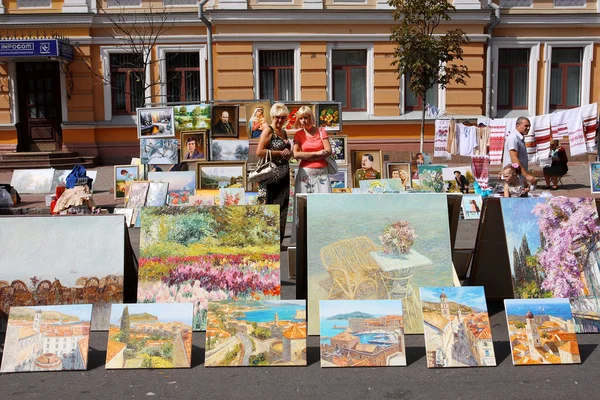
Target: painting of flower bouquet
pixel 293 108
pixel 232 196
pixel 339 148
pixel 430 179
pixel 202 254
pixel 330 116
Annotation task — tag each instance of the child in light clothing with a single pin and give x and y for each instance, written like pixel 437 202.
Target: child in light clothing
pixel 513 182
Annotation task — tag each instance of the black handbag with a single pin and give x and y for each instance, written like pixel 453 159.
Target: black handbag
pixel 267 171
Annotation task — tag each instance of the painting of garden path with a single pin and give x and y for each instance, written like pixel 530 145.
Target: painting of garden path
pixel 256 333
pixel 47 338
pixel 553 251
pixel 150 336
pixel 197 254
pixel 376 246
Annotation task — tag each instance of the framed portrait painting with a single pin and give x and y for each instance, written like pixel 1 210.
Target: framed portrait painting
pixel 257 113
pixel 124 173
pixel 225 121
pixel 398 170
pixel 366 164
pixel 220 175
pixel 193 146
pixel 329 116
pixel 339 148
pixel 155 122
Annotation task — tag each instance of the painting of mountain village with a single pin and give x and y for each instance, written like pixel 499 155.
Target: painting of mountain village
pixel 457 327
pixel 150 336
pixel 553 251
pixel 362 333
pixel 47 338
pixel 202 254
pixel 542 331
pixel 256 333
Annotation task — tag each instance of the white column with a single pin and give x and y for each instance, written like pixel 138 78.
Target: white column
pixel 75 6
pixel 2 6
pixel 467 4
pixel 233 4
pixel 312 4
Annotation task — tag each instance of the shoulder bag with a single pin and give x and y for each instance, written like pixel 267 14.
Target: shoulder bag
pixel 267 171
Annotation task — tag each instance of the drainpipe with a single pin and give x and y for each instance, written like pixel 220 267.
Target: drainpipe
pixel 209 41
pixel 488 57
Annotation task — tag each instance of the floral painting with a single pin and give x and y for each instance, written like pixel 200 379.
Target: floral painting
pixel 339 148
pixel 202 254
pixel 595 177
pixel 293 110
pixel 382 185
pixel 329 116
pixel 430 179
pixel 232 196
pixel 399 243
pixel 182 184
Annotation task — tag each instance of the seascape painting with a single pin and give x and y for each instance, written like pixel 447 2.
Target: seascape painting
pixel 457 327
pixel 197 254
pixel 93 276
pixel 541 331
pixel 397 243
pixel 339 179
pixel 256 333
pixel 553 251
pixel 191 117
pixel 150 336
pixel 229 150
pixel 32 181
pixel 362 333
pixel 47 338
pixel 182 184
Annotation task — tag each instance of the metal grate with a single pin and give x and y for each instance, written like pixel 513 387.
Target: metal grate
pixel 124 3
pixel 33 3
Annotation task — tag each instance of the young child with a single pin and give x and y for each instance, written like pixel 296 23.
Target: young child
pixel 513 184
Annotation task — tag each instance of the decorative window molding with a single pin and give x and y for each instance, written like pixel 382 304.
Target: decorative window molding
pixel 162 52
pixel 257 47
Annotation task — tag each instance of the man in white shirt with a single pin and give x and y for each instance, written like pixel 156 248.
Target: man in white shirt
pixel 515 151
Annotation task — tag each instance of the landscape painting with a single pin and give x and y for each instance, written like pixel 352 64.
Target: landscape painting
pixel 221 174
pixel 399 244
pixel 457 327
pixel 541 331
pixel 159 151
pixel 182 184
pixel 382 185
pixel 47 338
pixel 150 336
pixel 229 150
pixel 471 205
pixel 256 333
pixel 430 179
pixel 32 181
pixel 93 276
pixel 197 254
pixel 362 333
pixel 191 117
pixel 155 122
pixel 339 179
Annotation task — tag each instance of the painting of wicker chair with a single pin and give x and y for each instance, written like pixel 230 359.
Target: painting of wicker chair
pixel 354 273
pixel 400 288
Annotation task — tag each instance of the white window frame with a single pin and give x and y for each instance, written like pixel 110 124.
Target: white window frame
pixel 404 88
pixel 20 7
pixel 534 57
pixel 370 48
pixel 586 69
pixel 105 52
pixel 162 51
pixel 295 46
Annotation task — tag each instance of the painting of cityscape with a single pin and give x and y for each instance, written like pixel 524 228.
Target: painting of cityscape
pixel 457 327
pixel 93 276
pixel 541 331
pixel 150 336
pixel 362 333
pixel 197 254
pixel 47 338
pixel 256 333
pixel 398 244
pixel 553 251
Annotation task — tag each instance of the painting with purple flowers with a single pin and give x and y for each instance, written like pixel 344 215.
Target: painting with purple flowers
pixel 210 253
pixel 553 250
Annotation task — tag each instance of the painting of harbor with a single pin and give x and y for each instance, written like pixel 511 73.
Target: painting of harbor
pixel 362 333
pixel 541 331
pixel 256 333
pixel 457 327
pixel 47 338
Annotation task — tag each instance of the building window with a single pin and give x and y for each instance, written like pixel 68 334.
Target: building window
pixel 127 82
pixel 276 74
pixel 179 2
pixel 412 102
pixel 565 78
pixel 515 3
pixel 124 3
pixel 513 78
pixel 350 79
pixel 569 3
pixel 34 3
pixel 183 77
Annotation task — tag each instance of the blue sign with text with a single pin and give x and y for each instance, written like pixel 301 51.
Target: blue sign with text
pixel 35 48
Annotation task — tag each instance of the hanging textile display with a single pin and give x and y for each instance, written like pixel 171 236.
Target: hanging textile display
pixel 541 130
pixel 569 123
pixel 480 168
pixel 440 143
pixel 590 120
pixel 483 141
pixel 467 139
pixel 497 136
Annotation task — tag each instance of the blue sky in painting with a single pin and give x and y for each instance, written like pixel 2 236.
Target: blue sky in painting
pixel 329 308
pixel 178 180
pixel 469 296
pixel 81 311
pixel 166 312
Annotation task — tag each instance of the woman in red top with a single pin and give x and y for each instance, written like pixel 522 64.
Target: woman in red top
pixel 311 147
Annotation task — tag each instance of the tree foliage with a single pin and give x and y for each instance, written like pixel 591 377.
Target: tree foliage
pixel 125 325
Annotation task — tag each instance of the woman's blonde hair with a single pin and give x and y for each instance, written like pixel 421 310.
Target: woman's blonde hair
pixel 279 110
pixel 304 111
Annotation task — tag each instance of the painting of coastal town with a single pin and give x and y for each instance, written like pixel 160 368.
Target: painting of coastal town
pixel 256 333
pixel 362 333
pixel 541 331
pixel 150 336
pixel 208 253
pixel 93 276
pixel 47 338
pixel 553 251
pixel 398 244
pixel 457 327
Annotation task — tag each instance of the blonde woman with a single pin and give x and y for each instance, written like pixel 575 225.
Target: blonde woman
pixel 311 148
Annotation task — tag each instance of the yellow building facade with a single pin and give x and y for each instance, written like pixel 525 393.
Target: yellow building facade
pixel 525 57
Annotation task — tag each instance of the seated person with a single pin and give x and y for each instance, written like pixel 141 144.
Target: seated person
pixel 558 167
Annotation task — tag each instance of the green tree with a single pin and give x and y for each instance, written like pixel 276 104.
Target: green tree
pixel 125 325
pixel 241 152
pixel 216 151
pixel 423 55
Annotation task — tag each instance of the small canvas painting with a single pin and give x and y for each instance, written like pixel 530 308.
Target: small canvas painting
pixel 329 116
pixel 191 117
pixel 193 146
pixel 159 151
pixel 362 333
pixel 182 184
pixel 47 338
pixel 157 194
pixel 200 200
pixel 256 333
pixel 339 179
pixel 32 181
pixel 137 194
pixel 293 109
pixel 595 177
pixel 457 327
pixel 150 336
pixel 541 331
pixel 458 179
pixel 430 179
pixel 156 122
pixel 229 150
pixel 257 114
pixel 382 185
pixel 471 206
pixel 417 159
pixel 251 198
pixel 339 148
pixel 232 196
pixel 124 173
pixel 398 170
pixel 218 175
pixel 225 121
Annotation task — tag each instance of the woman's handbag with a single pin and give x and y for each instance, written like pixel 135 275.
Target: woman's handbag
pixel 267 170
pixel 332 166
